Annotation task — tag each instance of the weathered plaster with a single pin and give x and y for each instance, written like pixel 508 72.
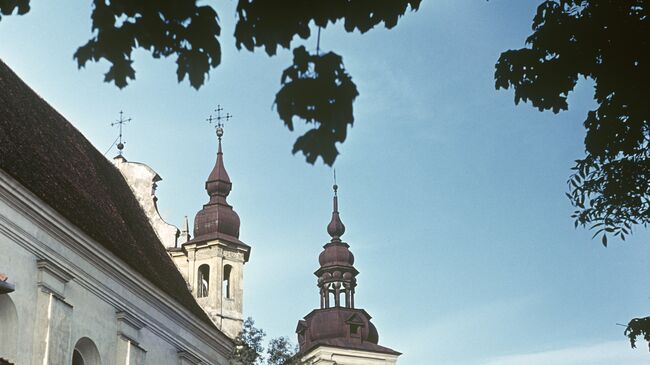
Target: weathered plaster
pixel 143 182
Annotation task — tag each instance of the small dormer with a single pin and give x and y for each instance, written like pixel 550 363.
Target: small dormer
pixel 356 325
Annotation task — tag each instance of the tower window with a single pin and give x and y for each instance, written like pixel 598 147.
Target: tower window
pixel 203 281
pixel 355 330
pixel 226 281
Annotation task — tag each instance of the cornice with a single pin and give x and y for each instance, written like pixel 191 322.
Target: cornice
pixel 331 352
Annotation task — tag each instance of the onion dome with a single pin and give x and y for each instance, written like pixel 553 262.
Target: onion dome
pixel 336 227
pixel 336 254
pixel 338 323
pixel 217 217
pixel 341 327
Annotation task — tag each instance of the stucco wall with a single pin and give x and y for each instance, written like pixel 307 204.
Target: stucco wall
pixel 325 355
pixel 226 313
pixel 69 287
pixel 143 182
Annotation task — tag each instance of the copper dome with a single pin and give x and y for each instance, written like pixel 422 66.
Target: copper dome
pixel 338 323
pixel 217 217
pixel 336 254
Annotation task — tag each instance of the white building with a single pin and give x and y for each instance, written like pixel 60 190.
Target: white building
pixel 89 281
pixel 90 273
pixel 212 263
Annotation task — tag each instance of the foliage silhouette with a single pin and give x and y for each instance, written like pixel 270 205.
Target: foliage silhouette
pixel 190 33
pixel 317 89
pixel 248 345
pixel 638 327
pixel 270 24
pixel 249 349
pixel 282 352
pixel 606 41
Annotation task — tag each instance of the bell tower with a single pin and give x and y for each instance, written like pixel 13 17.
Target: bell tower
pixel 213 261
pixel 338 332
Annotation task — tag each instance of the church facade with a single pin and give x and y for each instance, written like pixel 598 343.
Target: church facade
pixel 84 278
pixel 91 274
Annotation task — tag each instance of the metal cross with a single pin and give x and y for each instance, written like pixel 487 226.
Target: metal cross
pixel 120 122
pixel 219 120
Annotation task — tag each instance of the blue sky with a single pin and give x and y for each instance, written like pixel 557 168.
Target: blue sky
pixel 453 197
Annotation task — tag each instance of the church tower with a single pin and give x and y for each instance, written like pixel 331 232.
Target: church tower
pixel 212 262
pixel 339 332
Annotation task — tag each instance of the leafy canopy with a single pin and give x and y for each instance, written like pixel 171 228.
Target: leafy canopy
pixel 190 32
pixel 606 41
pixel 249 349
pixel 248 345
pixel 318 90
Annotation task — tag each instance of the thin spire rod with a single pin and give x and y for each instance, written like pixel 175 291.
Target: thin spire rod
pixel 318 42
pixel 120 122
pixel 335 228
pixel 336 196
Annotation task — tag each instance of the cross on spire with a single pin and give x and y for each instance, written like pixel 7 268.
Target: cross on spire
pixel 120 122
pixel 218 121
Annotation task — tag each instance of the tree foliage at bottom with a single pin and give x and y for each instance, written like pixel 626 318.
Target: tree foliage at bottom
pixel 249 348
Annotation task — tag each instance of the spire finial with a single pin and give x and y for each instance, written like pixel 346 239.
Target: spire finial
pixel 120 122
pixel 335 228
pixel 219 120
pixel 217 217
pixel 218 183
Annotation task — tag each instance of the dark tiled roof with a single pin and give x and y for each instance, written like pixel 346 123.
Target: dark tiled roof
pixel 51 158
pixel 331 327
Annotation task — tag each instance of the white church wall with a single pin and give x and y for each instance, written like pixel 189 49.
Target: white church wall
pixel 68 287
pixel 325 355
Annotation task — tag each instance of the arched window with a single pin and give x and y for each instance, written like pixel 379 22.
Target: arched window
pixel 203 281
pixel 8 328
pixel 227 270
pixel 77 359
pixel 85 353
pixel 332 298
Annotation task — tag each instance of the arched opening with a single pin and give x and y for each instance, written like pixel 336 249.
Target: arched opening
pixel 8 328
pixel 85 353
pixel 227 270
pixel 203 281
pixel 77 359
